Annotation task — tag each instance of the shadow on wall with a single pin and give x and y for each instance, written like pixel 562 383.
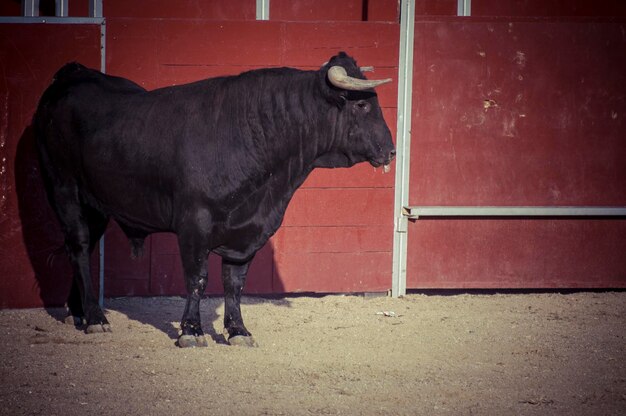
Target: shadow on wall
pixel 40 229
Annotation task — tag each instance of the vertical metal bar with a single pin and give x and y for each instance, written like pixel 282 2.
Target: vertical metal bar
pixel 103 46
pixel 262 9
pixel 60 8
pixel 95 8
pixel 103 38
pixel 30 8
pixel 403 146
pixel 101 272
pixel 464 8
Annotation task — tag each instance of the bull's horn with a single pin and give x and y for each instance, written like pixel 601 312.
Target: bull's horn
pixel 338 76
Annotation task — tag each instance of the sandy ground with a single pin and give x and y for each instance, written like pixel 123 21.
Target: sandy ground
pixel 468 354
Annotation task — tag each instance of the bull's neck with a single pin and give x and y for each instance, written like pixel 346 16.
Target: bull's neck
pixel 291 125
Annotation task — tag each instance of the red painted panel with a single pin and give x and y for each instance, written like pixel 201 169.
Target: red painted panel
pixel 340 207
pixel 436 7
pixel 519 113
pixel 10 8
pixel 33 275
pixel 312 10
pixel 548 8
pixel 151 52
pixel 188 9
pixel 383 11
pixel 333 272
pixel 530 253
pixel 344 239
pixel 311 44
pixel 164 52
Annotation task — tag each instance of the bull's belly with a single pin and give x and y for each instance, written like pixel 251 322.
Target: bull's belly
pixel 132 209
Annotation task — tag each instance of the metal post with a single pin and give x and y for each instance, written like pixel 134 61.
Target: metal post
pixel 262 9
pixel 95 8
pixel 60 8
pixel 464 8
pixel 403 146
pixel 103 38
pixel 30 8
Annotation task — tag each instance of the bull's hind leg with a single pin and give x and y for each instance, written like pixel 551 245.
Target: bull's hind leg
pixel 82 227
pixel 234 279
pixel 97 225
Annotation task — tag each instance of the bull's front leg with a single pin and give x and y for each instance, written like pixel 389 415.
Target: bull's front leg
pixel 194 257
pixel 234 279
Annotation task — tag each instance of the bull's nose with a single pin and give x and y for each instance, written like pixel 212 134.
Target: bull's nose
pixel 392 155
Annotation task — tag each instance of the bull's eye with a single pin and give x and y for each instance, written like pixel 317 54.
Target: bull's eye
pixel 363 106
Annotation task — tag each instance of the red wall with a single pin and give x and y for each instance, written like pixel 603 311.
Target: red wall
pixel 324 246
pixel 552 134
pixel 510 112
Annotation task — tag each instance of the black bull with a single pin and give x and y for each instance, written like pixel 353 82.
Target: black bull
pixel 216 162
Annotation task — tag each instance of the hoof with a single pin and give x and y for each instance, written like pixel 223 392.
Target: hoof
pixel 191 341
pixel 243 341
pixel 98 328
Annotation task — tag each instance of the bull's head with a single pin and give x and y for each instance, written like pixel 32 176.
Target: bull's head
pixel 361 133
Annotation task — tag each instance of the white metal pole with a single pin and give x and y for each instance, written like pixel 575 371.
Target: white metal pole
pixel 95 8
pixel 60 9
pixel 464 8
pixel 30 8
pixel 262 9
pixel 403 146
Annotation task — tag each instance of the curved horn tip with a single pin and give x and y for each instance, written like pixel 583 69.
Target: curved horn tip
pixel 338 76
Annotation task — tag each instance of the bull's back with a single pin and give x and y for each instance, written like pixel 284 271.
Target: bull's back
pixel 71 107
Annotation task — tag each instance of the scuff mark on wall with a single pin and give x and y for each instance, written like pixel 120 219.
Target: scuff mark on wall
pixel 520 59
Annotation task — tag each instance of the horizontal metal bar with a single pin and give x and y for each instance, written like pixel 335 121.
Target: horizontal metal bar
pixel 415 212
pixel 53 20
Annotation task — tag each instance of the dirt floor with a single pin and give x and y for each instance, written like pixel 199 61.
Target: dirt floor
pixel 468 354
